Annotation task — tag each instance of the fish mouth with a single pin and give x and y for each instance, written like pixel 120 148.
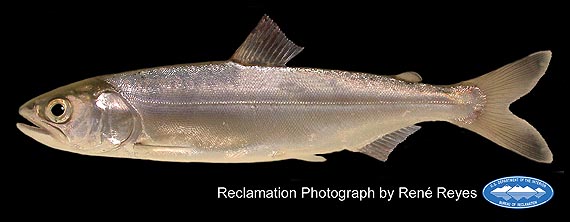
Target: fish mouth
pixel 41 131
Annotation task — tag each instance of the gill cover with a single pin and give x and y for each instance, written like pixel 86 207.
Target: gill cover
pixel 116 121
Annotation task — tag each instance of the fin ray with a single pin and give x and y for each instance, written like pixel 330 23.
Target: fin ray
pixel 266 45
pixel 381 148
pixel 496 122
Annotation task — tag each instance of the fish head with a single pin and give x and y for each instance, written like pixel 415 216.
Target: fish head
pixel 86 117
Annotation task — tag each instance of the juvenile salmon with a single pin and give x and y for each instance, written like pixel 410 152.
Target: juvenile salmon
pixel 253 108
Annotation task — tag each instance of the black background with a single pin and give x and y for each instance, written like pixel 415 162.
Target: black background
pixel 55 45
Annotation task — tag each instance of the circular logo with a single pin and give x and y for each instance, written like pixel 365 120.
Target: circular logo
pixel 518 192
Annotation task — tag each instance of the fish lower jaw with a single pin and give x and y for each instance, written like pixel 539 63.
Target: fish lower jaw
pixel 31 131
pixel 43 136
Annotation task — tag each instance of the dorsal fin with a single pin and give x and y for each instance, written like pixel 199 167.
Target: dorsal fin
pixel 266 45
pixel 381 148
pixel 408 77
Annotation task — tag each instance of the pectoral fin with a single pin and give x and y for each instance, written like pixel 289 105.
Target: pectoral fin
pixel 165 153
pixel 266 45
pixel 381 148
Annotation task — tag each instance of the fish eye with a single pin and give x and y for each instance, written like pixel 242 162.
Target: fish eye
pixel 58 110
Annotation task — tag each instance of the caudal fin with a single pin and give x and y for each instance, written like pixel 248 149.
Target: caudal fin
pixel 501 88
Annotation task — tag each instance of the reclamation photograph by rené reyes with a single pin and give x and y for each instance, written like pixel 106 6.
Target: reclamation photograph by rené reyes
pixel 260 106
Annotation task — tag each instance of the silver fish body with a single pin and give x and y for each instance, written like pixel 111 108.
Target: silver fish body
pixel 230 112
pixel 252 108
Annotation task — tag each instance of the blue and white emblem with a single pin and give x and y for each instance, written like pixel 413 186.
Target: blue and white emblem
pixel 518 192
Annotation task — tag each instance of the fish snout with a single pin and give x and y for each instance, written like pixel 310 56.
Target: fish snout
pixel 27 109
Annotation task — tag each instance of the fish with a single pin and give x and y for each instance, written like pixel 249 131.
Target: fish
pixel 253 108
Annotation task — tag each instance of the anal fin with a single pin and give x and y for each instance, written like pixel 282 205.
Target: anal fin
pixel 381 148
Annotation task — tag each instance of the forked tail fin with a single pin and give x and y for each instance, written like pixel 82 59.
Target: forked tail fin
pixel 501 88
